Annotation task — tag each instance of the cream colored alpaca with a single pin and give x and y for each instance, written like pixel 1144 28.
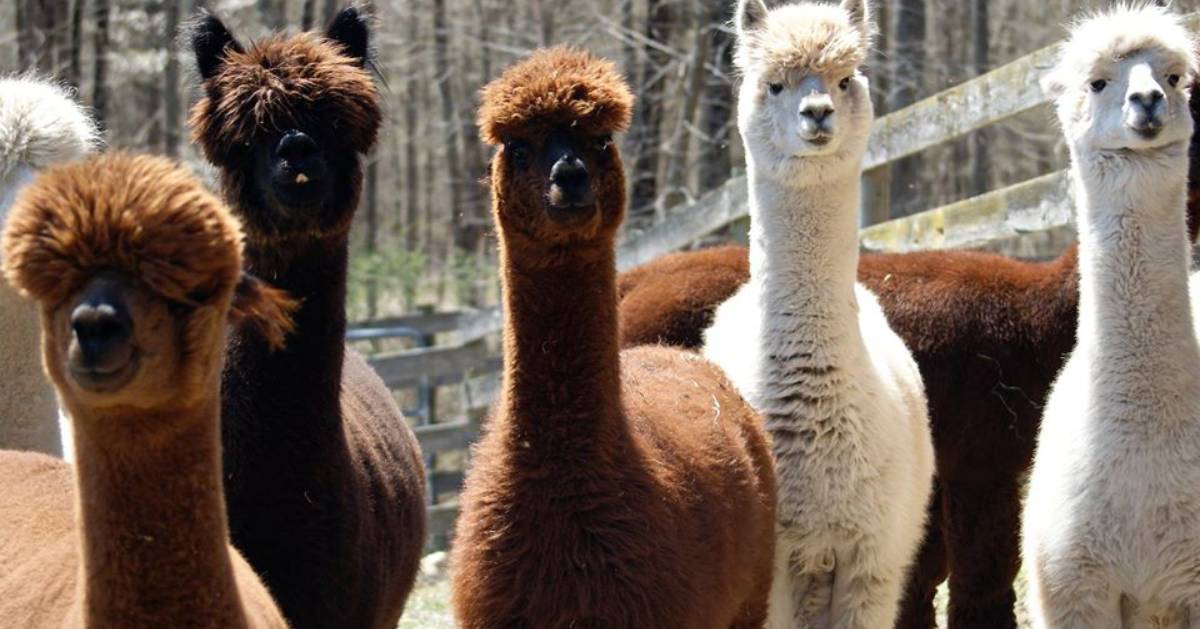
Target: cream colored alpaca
pixel 808 346
pixel 1112 520
pixel 40 125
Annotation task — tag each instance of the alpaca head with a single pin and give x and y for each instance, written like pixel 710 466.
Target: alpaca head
pixel 557 176
pixel 287 121
pixel 1122 83
pixel 804 108
pixel 40 124
pixel 136 268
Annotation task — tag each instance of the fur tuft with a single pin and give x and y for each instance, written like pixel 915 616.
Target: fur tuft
pixel 265 307
pixel 820 38
pixel 141 215
pixel 553 87
pixel 40 124
pixel 303 81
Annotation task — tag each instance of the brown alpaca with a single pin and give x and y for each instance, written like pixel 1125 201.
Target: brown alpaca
pixel 324 479
pixel 135 267
pixel 989 334
pixel 615 490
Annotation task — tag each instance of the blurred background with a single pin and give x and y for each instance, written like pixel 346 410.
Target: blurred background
pixel 424 236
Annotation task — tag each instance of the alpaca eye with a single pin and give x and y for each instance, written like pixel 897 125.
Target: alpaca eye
pixel 1099 85
pixel 517 152
pixel 845 84
pixel 775 87
pixel 1173 80
pixel 602 143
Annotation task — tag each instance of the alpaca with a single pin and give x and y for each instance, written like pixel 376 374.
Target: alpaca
pixel 40 125
pixel 806 345
pixel 615 490
pixel 324 479
pixel 136 268
pixel 989 334
pixel 1111 527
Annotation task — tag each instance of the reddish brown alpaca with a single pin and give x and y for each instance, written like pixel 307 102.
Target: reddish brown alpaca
pixel 324 478
pixel 615 490
pixel 134 266
pixel 989 334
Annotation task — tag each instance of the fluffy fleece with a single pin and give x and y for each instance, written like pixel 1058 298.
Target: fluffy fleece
pixel 1111 527
pixel 618 490
pixel 809 347
pixel 325 485
pixel 40 125
pixel 147 544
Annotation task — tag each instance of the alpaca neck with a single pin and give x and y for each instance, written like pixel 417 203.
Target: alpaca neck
pixel 804 256
pixel 561 356
pixel 152 517
pixel 276 387
pixel 1134 311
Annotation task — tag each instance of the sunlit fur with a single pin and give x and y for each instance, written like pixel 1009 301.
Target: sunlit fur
pixel 40 125
pixel 147 544
pixel 615 490
pixel 1111 527
pixel 809 347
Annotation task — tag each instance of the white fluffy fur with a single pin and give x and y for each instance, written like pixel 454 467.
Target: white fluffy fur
pixel 1112 521
pixel 808 346
pixel 40 124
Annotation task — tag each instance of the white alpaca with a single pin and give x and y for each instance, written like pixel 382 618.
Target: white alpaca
pixel 40 124
pixel 1112 520
pixel 807 345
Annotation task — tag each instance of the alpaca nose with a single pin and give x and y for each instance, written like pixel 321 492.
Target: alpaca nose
pixel 817 110
pixel 570 184
pixel 1147 99
pixel 296 146
pixel 103 330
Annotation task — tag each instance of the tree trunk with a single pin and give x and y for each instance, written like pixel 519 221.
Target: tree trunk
pixel 981 165
pixel 172 107
pixel 716 116
pixel 908 73
pixel 459 220
pixel 74 73
pixel 679 157
pixel 100 69
pixel 412 183
pixel 308 14
pixel 648 134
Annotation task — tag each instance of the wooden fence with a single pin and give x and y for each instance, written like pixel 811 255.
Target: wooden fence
pixel 470 361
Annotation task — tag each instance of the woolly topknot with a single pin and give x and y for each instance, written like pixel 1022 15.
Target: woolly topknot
pixel 40 124
pixel 142 216
pixel 304 81
pixel 1124 29
pixel 554 87
pixel 808 37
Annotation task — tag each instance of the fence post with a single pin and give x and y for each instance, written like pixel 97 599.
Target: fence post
pixel 876 196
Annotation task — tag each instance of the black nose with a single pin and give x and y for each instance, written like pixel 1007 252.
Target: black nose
pixel 103 330
pixel 570 177
pixel 296 146
pixel 817 112
pixel 1147 99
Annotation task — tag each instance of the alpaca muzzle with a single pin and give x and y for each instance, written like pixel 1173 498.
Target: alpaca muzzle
pixel 101 352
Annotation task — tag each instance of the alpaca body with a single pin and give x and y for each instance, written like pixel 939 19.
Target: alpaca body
pixel 325 484
pixel 40 125
pixel 615 490
pixel 831 404
pixel 1112 520
pixel 808 347
pixel 136 269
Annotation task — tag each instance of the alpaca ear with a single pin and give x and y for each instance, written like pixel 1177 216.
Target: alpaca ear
pixel 210 40
pixel 1052 83
pixel 350 30
pixel 266 308
pixel 860 16
pixel 750 16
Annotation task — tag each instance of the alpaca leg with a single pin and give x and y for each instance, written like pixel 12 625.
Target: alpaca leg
pixel 1076 597
pixel 983 547
pixel 928 570
pixel 866 590
pixel 800 597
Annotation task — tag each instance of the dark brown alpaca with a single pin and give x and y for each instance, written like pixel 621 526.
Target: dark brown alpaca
pixel 989 334
pixel 323 476
pixel 135 267
pixel 615 490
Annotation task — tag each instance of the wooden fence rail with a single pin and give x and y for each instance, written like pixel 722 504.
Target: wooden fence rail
pixel 470 362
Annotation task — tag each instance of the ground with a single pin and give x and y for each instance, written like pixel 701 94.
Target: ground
pixel 429 605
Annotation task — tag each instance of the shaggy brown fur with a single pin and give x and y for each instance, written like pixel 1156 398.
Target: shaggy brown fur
pixel 324 479
pixel 615 490
pixel 147 545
